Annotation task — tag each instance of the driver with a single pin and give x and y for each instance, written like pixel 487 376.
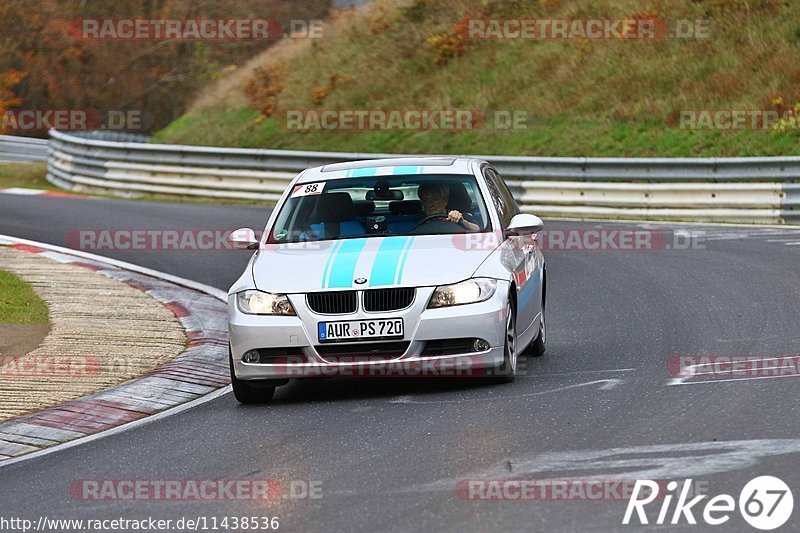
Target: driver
pixel 434 201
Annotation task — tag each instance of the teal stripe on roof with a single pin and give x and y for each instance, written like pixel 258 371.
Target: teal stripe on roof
pixel 408 169
pixel 361 172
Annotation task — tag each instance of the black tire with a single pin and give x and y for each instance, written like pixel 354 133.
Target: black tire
pixel 507 372
pixel 247 392
pixel 538 346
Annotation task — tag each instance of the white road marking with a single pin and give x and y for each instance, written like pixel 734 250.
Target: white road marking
pixel 183 282
pixel 22 192
pixel 660 461
pixel 607 384
pixel 676 460
pixel 119 429
pixel 580 372
pixel 691 372
pixel 709 381
pixel 786 234
pixel 403 399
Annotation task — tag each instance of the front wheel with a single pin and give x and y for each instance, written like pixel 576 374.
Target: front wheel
pixel 538 346
pixel 250 392
pixel 507 372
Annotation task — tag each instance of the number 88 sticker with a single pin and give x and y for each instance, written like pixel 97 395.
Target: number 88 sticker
pixel 766 502
pixel 308 189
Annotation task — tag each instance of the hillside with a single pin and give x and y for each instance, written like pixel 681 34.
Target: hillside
pixel 48 64
pixel 578 97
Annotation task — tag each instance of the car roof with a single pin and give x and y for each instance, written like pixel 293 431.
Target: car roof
pixel 388 167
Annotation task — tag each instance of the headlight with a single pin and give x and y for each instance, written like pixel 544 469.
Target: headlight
pixel 263 303
pixel 466 292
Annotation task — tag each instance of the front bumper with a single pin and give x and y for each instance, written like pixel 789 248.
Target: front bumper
pixel 297 334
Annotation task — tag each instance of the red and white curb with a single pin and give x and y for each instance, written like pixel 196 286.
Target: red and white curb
pixel 197 375
pixel 19 191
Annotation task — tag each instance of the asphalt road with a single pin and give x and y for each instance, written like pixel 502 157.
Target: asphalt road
pixel 389 453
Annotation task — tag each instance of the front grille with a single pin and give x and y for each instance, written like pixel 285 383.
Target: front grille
pixel 448 347
pixel 332 303
pixel 363 351
pixel 377 300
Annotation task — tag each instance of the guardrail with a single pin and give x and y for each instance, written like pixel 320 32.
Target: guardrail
pixel 747 190
pixel 22 149
pixel 110 135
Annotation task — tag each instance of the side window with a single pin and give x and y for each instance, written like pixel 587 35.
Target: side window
pixel 501 197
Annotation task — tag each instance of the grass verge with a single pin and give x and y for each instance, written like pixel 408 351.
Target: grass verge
pixel 608 98
pixel 18 303
pixel 32 176
pixel 25 175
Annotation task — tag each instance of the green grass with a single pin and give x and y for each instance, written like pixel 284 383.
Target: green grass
pixel 609 98
pixel 18 303
pixel 548 137
pixel 25 175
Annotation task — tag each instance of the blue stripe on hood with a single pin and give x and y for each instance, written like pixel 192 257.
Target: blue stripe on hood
pixel 343 267
pixel 384 269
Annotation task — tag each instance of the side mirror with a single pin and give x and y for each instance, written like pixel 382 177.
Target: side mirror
pixel 243 239
pixel 524 224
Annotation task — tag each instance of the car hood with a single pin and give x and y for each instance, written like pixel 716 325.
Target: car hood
pixel 421 260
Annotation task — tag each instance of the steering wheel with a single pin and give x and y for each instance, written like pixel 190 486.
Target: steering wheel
pixel 440 218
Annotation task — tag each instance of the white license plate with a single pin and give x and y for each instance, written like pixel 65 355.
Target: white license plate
pixel 355 330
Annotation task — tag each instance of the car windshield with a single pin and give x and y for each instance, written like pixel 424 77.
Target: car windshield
pixel 381 205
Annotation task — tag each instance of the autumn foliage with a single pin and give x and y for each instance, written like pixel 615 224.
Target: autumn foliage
pixel 45 65
pixel 264 87
pixel 8 99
